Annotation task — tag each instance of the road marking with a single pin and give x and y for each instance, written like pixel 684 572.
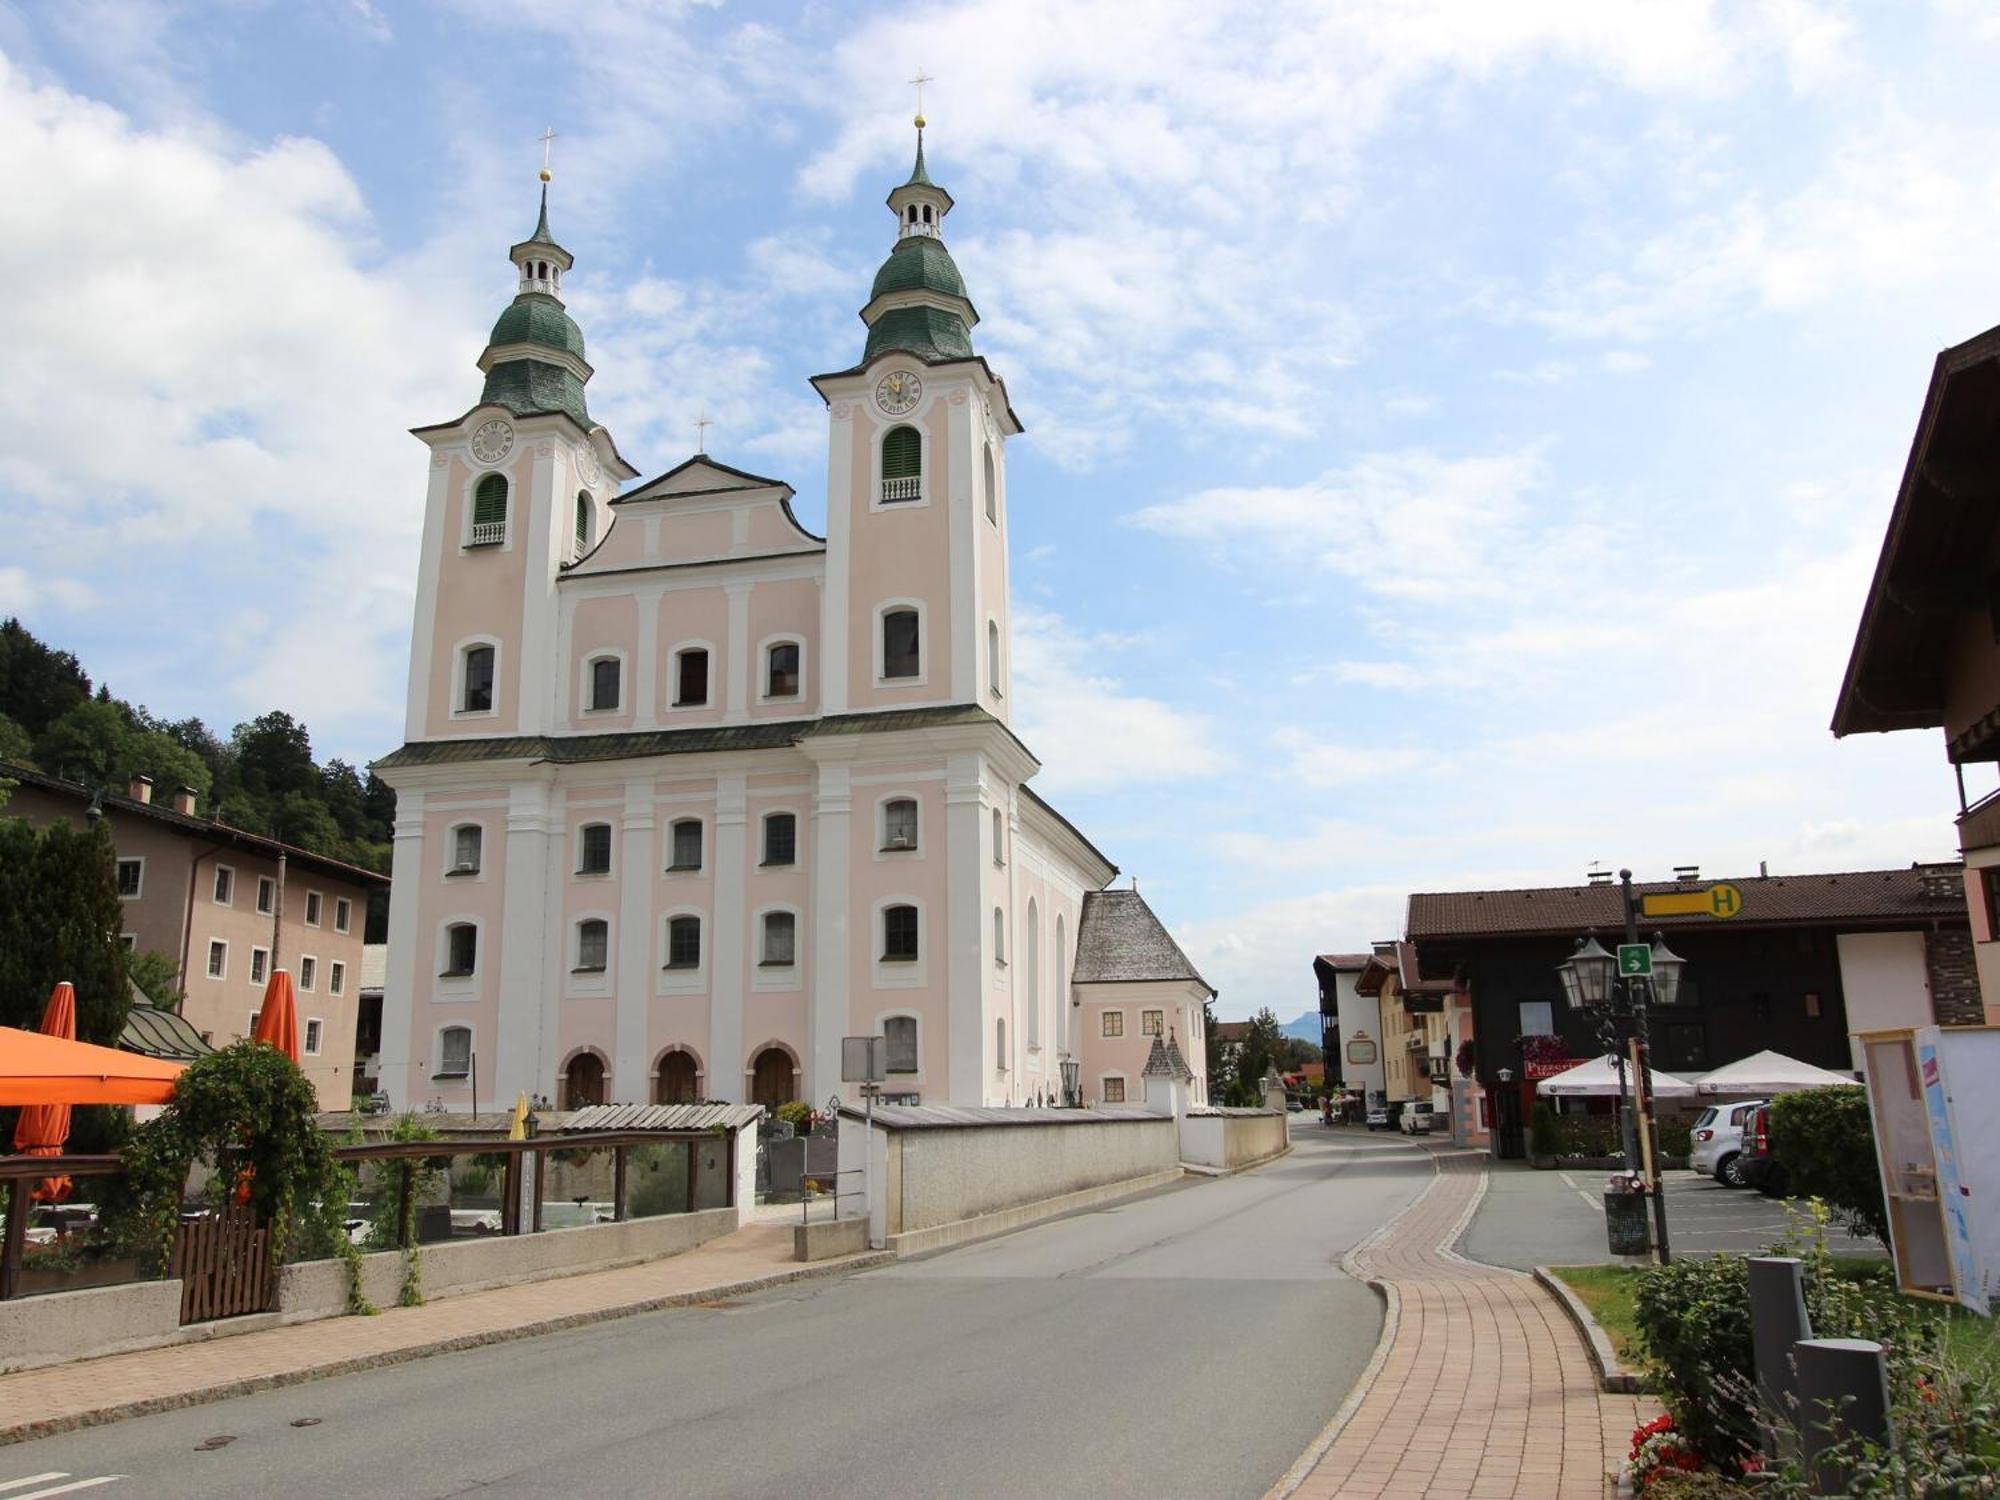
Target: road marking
pixel 15 1484
pixel 60 1489
pixel 1593 1202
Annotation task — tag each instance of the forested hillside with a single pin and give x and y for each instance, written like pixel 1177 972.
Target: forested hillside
pixel 261 777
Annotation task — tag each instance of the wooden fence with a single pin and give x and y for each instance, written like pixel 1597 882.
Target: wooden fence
pixel 226 1265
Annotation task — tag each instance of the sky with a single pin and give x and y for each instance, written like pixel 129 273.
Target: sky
pixel 1459 435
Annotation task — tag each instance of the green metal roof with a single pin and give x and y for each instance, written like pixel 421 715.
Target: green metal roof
pixel 919 262
pixel 918 176
pixel 541 236
pixel 162 1033
pixel 527 386
pixel 537 318
pixel 930 333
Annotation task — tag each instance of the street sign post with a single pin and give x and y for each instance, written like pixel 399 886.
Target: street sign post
pixel 1719 900
pixel 1635 960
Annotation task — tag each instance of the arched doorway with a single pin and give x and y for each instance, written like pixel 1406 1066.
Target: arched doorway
pixel 771 1078
pixel 679 1080
pixel 583 1081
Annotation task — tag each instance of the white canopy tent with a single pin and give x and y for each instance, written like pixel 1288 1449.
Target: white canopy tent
pixel 1768 1073
pixel 1598 1079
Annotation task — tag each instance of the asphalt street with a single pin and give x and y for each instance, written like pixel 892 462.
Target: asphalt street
pixel 1556 1218
pixel 1189 1343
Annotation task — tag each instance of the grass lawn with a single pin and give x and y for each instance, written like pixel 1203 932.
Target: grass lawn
pixel 1608 1292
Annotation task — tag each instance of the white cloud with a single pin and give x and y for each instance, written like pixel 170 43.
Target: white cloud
pixel 1091 732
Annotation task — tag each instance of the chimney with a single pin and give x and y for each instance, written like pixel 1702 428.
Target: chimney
pixel 184 800
pixel 1687 872
pixel 141 789
pixel 1599 877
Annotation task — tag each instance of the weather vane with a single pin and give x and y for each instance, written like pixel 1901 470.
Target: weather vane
pixel 920 80
pixel 546 137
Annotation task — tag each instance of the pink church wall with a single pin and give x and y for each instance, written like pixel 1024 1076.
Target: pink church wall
pixel 694 617
pixel 900 553
pixel 604 626
pixel 479 593
pixel 785 607
pixel 685 535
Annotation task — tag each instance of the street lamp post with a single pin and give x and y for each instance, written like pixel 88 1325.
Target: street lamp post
pixel 1618 990
pixel 1070 1068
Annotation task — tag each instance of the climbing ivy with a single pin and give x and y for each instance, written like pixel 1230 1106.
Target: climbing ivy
pixel 245 1114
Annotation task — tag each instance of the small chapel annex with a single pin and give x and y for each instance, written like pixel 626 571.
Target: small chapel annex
pixel 688 793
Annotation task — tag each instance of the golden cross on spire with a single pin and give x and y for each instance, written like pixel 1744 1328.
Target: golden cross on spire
pixel 701 425
pixel 920 80
pixel 548 135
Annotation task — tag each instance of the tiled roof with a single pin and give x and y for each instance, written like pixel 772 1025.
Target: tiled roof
pixel 969 1116
pixel 1120 941
pixel 1165 1061
pixel 161 1033
pixel 656 1117
pixel 1868 897
pixel 775 734
pixel 1231 1031
pixel 202 828
pixel 1345 960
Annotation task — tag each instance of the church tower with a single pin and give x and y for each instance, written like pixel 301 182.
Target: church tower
pixel 518 492
pixel 916 605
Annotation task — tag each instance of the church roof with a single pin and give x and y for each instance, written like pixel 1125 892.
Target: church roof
pixel 1165 1061
pixel 931 333
pixel 527 386
pixel 919 262
pixel 1120 941
pixel 537 318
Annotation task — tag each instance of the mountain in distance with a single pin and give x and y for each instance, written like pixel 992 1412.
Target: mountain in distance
pixel 1305 1028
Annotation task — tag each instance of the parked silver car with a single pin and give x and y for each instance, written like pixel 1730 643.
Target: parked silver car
pixel 1716 1140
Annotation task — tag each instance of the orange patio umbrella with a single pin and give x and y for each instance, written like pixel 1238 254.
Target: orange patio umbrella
pixel 37 1069
pixel 278 1021
pixel 42 1128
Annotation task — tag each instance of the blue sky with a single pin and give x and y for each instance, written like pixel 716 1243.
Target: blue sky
pixel 1458 435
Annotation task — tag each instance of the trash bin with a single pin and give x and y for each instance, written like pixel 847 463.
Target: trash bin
pixel 1625 1223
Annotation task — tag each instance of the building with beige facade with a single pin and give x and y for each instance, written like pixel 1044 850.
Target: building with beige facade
pixel 688 792
pixel 228 907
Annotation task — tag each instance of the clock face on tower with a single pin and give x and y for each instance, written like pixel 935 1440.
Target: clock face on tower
pixel 587 466
pixel 492 441
pixel 897 392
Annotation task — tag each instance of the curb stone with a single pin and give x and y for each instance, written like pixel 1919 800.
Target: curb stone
pixel 1611 1375
pixel 95 1417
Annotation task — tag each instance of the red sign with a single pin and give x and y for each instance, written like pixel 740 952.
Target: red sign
pixel 1547 1067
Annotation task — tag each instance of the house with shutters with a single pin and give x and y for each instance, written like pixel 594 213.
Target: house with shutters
pixel 688 792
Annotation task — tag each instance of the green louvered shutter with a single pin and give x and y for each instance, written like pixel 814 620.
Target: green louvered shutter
pixel 489 510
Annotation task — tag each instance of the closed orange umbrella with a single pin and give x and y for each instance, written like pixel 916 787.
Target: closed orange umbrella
pixel 43 1128
pixel 278 1021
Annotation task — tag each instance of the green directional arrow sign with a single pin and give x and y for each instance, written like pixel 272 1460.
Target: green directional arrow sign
pixel 1635 960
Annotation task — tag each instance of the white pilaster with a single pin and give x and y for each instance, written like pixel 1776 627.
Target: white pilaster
pixel 833 644
pixel 403 979
pixel 423 626
pixel 538 685
pixel 736 654
pixel 833 916
pixel 968 635
pixel 517 1051
pixel 965 946
pixel 727 943
pixel 631 1067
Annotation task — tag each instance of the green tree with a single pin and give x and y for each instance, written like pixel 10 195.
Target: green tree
pixel 90 743
pixel 1260 1050
pixel 303 821
pixel 37 685
pixel 1826 1142
pixel 59 919
pixel 16 744
pixel 148 752
pixel 157 977
pixel 274 757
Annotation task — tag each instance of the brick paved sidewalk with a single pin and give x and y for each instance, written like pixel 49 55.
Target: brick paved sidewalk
pixel 1481 1387
pixel 56 1398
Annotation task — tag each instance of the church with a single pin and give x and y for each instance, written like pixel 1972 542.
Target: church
pixel 688 793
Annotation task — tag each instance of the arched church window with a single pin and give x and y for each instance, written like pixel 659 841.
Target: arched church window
pixel 477 695
pixel 584 523
pixel 993 656
pixel 489 511
pixel 902 465
pixel 900 652
pixel 992 490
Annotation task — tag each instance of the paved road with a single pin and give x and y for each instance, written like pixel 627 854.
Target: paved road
pixel 1531 1218
pixel 1190 1343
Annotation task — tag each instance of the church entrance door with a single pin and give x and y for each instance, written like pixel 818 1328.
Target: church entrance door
pixel 771 1078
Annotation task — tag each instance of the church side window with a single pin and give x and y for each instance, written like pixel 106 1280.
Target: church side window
pixel 465 842
pixel 902 465
pixel 899 934
pixel 478 689
pixel 691 678
pixel 900 651
pixel 993 657
pixel 999 938
pixel 899 824
pixel 900 1035
pixel 999 839
pixel 687 845
pixel 461 946
pixel 586 524
pixel 593 943
pixel 780 939
pixel 992 491
pixel 781 839
pixel 604 684
pixel 594 849
pixel 781 675
pixel 489 511
pixel 684 943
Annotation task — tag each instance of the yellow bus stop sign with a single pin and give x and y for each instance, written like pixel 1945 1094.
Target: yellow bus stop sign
pixel 1720 900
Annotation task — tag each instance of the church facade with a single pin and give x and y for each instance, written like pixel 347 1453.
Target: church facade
pixel 689 793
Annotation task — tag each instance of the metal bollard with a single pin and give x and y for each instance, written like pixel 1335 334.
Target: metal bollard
pixel 1777 1321
pixel 1843 1394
